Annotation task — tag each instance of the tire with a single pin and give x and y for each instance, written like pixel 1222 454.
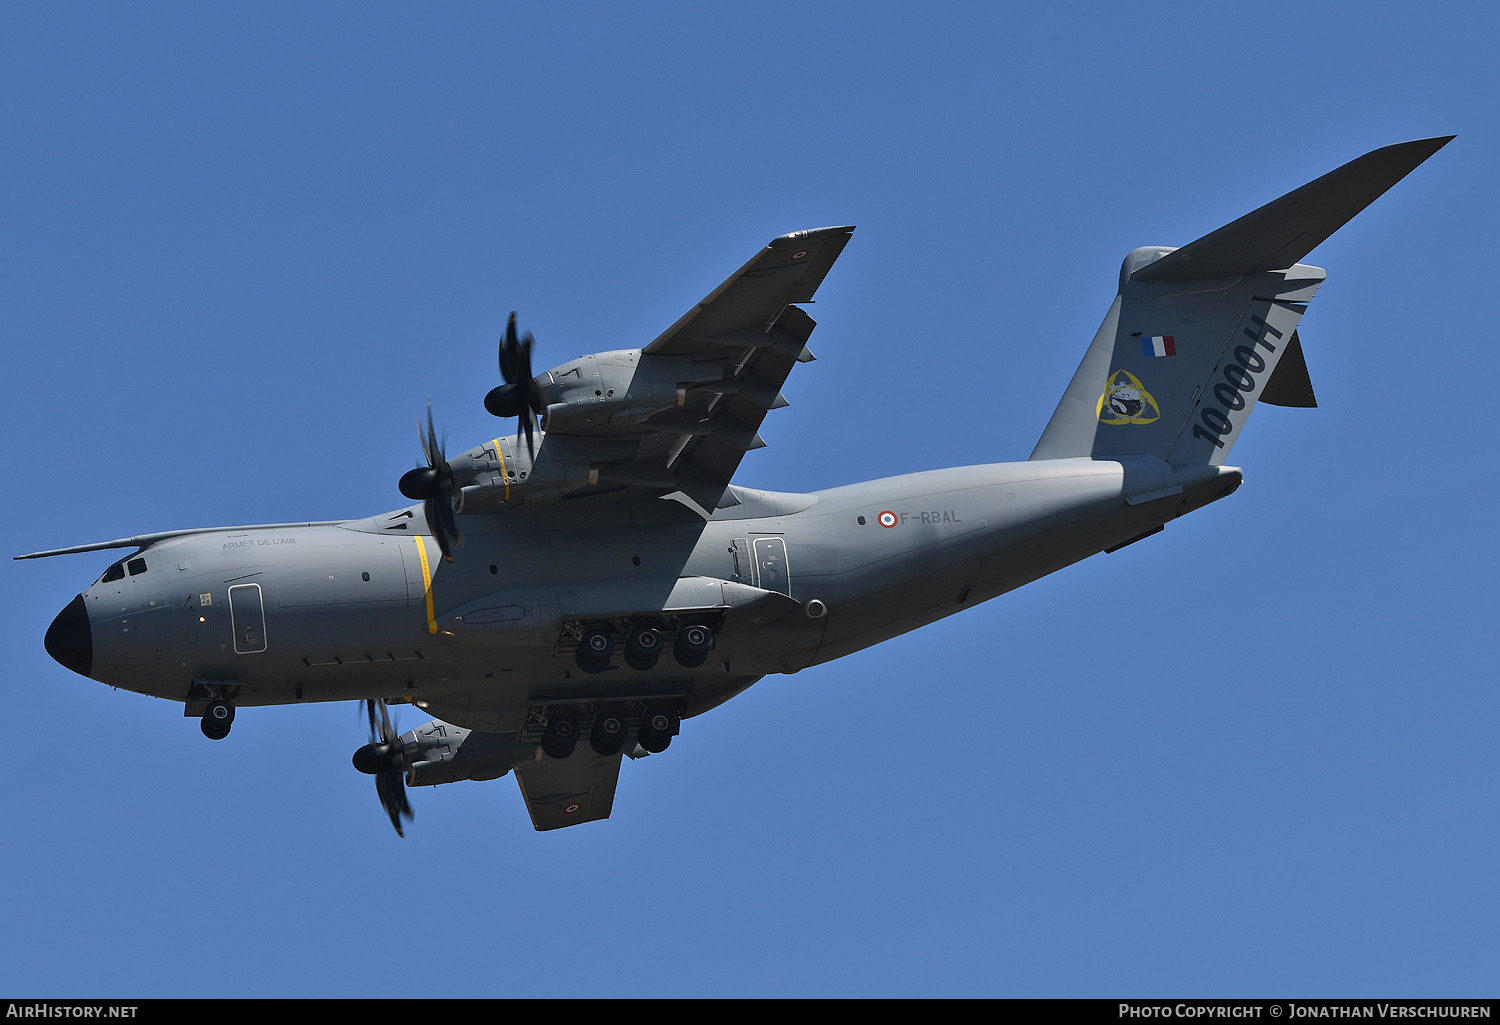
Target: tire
pixel 219 712
pixel 657 730
pixel 608 735
pixel 694 642
pixel 595 649
pixel 643 647
pixel 213 731
pixel 560 737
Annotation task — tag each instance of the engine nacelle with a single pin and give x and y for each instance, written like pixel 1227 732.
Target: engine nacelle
pixel 440 752
pixel 624 388
pixel 504 472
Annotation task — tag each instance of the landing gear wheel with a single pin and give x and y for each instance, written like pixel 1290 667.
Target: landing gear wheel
pixel 594 649
pixel 643 647
pixel 657 730
pixel 560 737
pixel 693 645
pixel 218 716
pixel 608 735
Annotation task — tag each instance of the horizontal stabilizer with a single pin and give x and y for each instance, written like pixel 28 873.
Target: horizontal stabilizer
pixel 1285 230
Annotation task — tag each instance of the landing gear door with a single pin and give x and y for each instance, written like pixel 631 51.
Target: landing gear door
pixel 770 564
pixel 247 614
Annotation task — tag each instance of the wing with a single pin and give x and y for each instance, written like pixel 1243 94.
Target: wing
pixel 746 336
pixel 749 327
pixel 788 270
pixel 566 791
pixel 677 416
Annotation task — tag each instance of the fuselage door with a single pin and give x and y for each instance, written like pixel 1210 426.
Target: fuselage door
pixel 744 571
pixel 247 616
pixel 770 565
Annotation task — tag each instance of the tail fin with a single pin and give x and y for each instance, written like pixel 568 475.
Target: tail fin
pixel 1197 335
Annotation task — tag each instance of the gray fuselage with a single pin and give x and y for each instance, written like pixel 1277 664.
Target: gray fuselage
pixel 365 608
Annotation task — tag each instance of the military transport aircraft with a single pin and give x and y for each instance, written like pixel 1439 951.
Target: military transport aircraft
pixel 603 580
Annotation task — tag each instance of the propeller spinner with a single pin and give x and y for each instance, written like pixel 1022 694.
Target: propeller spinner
pixel 519 396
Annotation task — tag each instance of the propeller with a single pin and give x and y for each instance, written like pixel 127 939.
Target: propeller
pixel 383 758
pixel 519 396
pixel 432 485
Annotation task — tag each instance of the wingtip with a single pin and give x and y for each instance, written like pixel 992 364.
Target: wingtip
pixel 808 233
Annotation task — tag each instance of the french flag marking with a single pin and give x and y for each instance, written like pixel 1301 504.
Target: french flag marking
pixel 1160 345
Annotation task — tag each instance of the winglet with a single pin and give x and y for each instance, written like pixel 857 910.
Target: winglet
pixel 1285 230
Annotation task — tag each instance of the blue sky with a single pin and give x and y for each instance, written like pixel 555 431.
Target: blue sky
pixel 1254 755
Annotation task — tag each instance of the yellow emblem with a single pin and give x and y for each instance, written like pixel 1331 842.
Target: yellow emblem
pixel 1126 401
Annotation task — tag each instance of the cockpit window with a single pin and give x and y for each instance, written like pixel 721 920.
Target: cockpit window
pixel 136 566
pixel 115 572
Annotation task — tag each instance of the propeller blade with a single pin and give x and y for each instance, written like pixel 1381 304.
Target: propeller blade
pixel 507 348
pixel 520 396
pixel 444 526
pixel 384 759
pixel 432 485
pixel 391 789
pixel 431 448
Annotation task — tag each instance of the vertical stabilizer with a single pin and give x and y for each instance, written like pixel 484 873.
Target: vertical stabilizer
pixel 1196 334
pixel 1177 366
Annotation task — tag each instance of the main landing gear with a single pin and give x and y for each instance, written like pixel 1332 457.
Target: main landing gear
pixel 218 716
pixel 560 737
pixel 609 733
pixel 657 730
pixel 610 729
pixel 643 646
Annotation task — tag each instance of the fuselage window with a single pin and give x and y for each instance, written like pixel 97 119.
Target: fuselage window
pixel 136 566
pixel 115 572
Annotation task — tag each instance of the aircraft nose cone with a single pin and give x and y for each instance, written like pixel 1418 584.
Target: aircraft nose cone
pixel 69 639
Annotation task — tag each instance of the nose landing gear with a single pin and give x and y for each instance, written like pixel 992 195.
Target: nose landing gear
pixel 218 716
